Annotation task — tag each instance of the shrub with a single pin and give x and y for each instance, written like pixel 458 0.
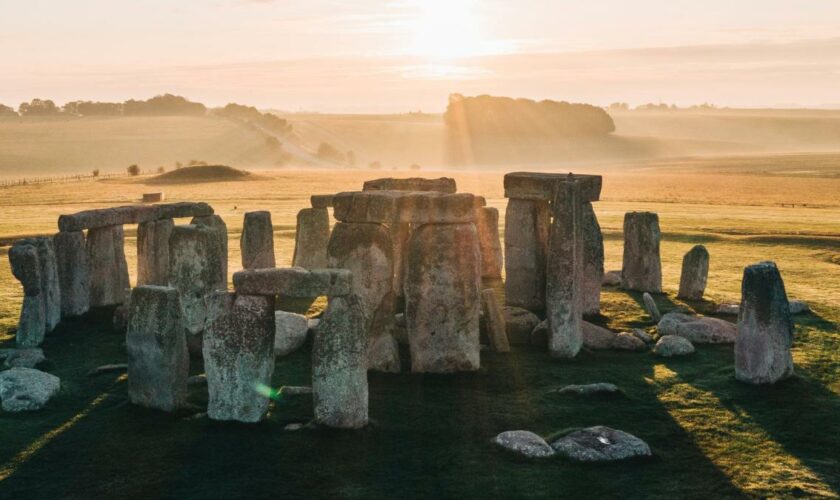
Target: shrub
pixel 133 170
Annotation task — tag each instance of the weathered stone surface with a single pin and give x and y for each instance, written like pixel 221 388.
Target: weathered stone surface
pixel 699 330
pixel 311 238
pixel 440 185
pixel 25 358
pixel 442 287
pixel 388 207
pixel 26 389
pixel 27 269
pixel 153 252
pixel 50 290
pixel 494 320
pixel 799 306
pixel 239 355
pixel 519 323
pixel 294 282
pixel 600 444
pixel 73 273
pixel 651 308
pixel 383 353
pixel 642 335
pixel 543 186
pixel 524 443
pixel 611 278
pixel 321 200
pixel 339 368
pixel 695 273
pixel 564 275
pixel 120 318
pixel 184 209
pixel 131 214
pixel 527 225
pixel 487 225
pixel 257 242
pixel 220 237
pixel 156 344
pixel 400 233
pixel 765 330
pixel 673 345
pixel 593 261
pixel 626 341
pixel 589 389
pixel 596 337
pixel 107 265
pixel 290 332
pixel 642 268
pixel 194 271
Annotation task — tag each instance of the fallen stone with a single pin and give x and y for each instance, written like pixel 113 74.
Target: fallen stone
pixel 495 321
pixel 543 186
pixel 311 238
pixel 107 265
pixel 321 200
pixel 524 443
pixel 695 273
pixel 25 358
pixel 673 345
pixel 593 261
pixel 257 241
pixel 294 282
pixel 642 267
pixel 440 185
pixel 73 273
pixel 799 307
pixel 611 278
pixel 527 224
pixel 651 308
pixel 596 337
pixel 389 207
pixel 131 214
pixel 699 330
pixel 589 389
pixel 32 325
pixel 153 252
pixel 487 225
pixel 600 444
pixel 26 389
pixel 642 335
pixel 290 332
pixel 519 323
pixel 628 342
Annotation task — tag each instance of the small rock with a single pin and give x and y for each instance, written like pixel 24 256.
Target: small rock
pixel 626 341
pixel 651 308
pixel 596 337
pixel 699 330
pixel 798 306
pixel 728 309
pixel 643 335
pixel 25 358
pixel 600 444
pixel 525 443
pixel 290 332
pixel 611 278
pixel 673 345
pixel 519 323
pixel 295 390
pixel 198 416
pixel 26 389
pixel 589 389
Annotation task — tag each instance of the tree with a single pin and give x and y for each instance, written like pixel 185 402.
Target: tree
pixel 95 172
pixel 328 152
pixel 161 169
pixel 414 166
pixel 7 111
pixel 39 107
pixel 133 170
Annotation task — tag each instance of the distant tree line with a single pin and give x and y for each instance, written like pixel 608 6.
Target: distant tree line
pixel 161 105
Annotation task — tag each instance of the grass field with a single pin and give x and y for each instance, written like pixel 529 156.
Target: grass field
pixel 711 436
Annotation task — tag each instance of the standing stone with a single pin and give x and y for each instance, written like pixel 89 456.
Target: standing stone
pixel 23 259
pixel 339 369
pixel 593 261
pixel 442 283
pixel 239 356
pixel 73 273
pixel 494 321
pixel 695 272
pixel 642 268
pixel 365 249
pixel 107 265
pixel 48 271
pixel 564 287
pixel 257 242
pixel 400 233
pixel 158 361
pixel 487 225
pixel 527 225
pixel 651 307
pixel 220 237
pixel 153 252
pixel 311 238
pixel 765 330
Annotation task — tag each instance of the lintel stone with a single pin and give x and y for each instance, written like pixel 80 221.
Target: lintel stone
pixel 388 207
pixel 293 282
pixel 440 185
pixel 543 185
pixel 130 214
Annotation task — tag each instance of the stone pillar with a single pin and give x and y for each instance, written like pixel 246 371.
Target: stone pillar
pixel 73 273
pixel 526 244
pixel 339 369
pixel 564 287
pixel 257 242
pixel 642 268
pixel 153 252
pixel 494 321
pixel 23 259
pixel 442 287
pixel 400 233
pixel 220 237
pixel 593 261
pixel 48 271
pixel 765 330
pixel 158 361
pixel 107 265
pixel 695 273
pixel 487 225
pixel 239 356
pixel 311 238
pixel 365 249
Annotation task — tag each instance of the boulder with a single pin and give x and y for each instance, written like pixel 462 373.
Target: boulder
pixel 672 345
pixel 695 273
pixel 487 225
pixel 440 185
pixel 596 337
pixel 494 321
pixel 26 389
pixel 519 323
pixel 524 443
pixel 153 252
pixel 294 282
pixel 593 261
pixel 600 444
pixel 611 278
pixel 628 342
pixel 642 335
pixel 765 329
pixel 290 332
pixel 25 358
pixel 257 241
pixel 107 265
pixel 699 330
pixel 589 389
pixel 389 207
pixel 73 273
pixel 651 308
pixel 527 224
pixel 642 267
pixel 312 236
pixel 543 185
pixel 31 329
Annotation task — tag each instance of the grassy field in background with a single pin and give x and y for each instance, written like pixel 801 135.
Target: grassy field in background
pixel 711 436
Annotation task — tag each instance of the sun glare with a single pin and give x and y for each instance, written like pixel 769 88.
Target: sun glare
pixel 441 29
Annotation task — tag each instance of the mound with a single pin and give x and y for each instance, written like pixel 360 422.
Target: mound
pixel 209 173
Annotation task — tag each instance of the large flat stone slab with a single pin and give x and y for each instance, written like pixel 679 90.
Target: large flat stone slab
pixel 294 282
pixel 130 214
pixel 440 185
pixel 542 185
pixel 387 207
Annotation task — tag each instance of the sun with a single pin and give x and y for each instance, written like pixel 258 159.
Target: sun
pixel 445 29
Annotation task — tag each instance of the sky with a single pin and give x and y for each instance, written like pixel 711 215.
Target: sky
pixel 408 55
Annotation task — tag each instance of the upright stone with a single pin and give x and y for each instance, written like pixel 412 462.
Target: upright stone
pixel 365 249
pixel 107 265
pixel 23 259
pixel 442 286
pixel 339 369
pixel 487 225
pixel 311 238
pixel 220 237
pixel 526 245
pixel 239 356
pixel 158 361
pixel 153 252
pixel 257 243
pixel 642 268
pixel 494 321
pixel 593 261
pixel 48 271
pixel 765 330
pixel 564 287
pixel 400 233
pixel 73 273
pixel 695 272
